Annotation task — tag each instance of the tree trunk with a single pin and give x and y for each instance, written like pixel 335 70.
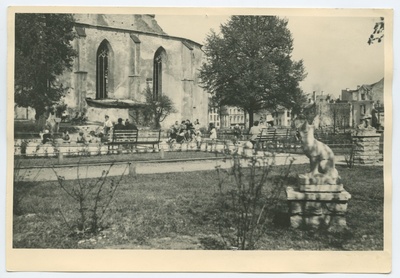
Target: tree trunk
pixel 251 117
pixel 39 111
pixel 157 124
pixel 40 122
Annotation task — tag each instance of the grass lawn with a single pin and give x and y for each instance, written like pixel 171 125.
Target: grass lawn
pixel 178 211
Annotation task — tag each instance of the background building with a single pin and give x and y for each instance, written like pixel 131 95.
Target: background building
pixel 363 99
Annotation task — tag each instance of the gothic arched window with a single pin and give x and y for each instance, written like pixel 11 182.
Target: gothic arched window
pixel 103 70
pixel 159 58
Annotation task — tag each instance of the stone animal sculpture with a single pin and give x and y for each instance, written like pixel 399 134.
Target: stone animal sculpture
pixel 322 159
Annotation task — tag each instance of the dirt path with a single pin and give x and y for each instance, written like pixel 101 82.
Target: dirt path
pixel 72 172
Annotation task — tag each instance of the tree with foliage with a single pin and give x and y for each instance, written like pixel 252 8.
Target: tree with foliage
pixel 43 51
pixel 249 65
pixel 378 33
pixel 159 108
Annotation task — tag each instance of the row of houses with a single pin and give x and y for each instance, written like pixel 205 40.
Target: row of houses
pixel 346 111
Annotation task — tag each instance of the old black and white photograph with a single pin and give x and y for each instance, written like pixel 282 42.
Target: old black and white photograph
pixel 244 130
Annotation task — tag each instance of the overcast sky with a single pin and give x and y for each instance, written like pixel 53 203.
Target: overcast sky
pixel 334 49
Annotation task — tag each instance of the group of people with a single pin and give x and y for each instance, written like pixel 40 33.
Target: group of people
pixel 185 131
pixel 47 135
pixel 120 125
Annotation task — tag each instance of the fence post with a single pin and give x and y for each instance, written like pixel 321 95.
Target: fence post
pixel 132 170
pixel 60 157
pixel 162 153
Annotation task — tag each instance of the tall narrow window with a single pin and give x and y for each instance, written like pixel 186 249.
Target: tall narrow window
pixel 102 70
pixel 159 58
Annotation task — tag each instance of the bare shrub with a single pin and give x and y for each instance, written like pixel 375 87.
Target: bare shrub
pixel 247 199
pixel 349 157
pixel 92 199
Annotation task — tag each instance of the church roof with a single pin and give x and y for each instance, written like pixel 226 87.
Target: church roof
pixel 137 23
pixel 134 22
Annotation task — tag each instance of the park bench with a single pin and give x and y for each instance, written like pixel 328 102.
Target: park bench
pixel 273 139
pixel 132 138
pixel 123 137
pixel 149 137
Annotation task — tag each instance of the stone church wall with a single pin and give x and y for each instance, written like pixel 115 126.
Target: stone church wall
pixel 131 71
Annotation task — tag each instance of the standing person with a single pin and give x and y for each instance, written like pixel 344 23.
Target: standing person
pixel 262 123
pixel 51 122
pixel 107 125
pixel 254 131
pixel 198 139
pixel 213 137
pixel 237 133
pixel 119 125
pixel 213 132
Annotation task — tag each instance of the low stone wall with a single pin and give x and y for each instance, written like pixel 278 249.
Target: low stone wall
pixel 34 148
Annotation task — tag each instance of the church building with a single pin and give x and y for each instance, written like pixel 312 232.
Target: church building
pixel 119 56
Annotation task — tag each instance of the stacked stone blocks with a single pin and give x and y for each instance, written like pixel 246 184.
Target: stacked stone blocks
pixel 313 205
pixel 366 148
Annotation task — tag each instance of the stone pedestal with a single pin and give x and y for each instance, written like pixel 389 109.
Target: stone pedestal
pixel 314 206
pixel 366 148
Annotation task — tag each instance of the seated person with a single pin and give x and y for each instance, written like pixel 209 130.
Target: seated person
pixel 129 125
pixel 83 118
pixel 196 125
pixel 237 132
pixel 65 136
pixel 76 118
pixel 81 138
pixel 119 125
pixel 181 134
pixel 46 138
pixel 64 116
pixel 176 126
pixel 173 131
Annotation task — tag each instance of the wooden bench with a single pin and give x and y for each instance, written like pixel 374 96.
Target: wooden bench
pixel 132 138
pixel 149 137
pixel 276 139
pixel 124 137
